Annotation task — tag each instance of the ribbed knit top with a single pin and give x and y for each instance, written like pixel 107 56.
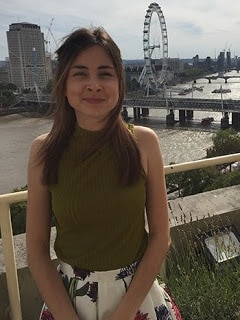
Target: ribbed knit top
pixel 100 224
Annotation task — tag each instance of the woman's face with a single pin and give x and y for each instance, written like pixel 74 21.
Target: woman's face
pixel 92 87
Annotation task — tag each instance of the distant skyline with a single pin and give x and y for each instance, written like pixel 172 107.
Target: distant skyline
pixel 194 27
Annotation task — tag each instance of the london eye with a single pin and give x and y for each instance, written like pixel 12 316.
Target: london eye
pixel 155 48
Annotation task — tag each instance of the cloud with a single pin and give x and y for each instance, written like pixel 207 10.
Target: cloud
pixel 192 26
pixel 189 28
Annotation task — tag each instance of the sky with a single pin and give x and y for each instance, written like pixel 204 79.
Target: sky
pixel 203 27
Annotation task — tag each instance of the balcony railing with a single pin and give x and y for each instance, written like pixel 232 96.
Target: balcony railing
pixel 7 236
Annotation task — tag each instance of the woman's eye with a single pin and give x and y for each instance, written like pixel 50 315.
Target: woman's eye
pixel 106 74
pixel 80 74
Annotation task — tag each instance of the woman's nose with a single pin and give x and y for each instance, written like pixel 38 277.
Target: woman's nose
pixel 94 84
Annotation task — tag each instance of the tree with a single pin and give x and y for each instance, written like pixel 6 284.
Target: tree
pixel 11 86
pixel 225 180
pixel 201 180
pixel 18 214
pixel 193 181
pixel 7 98
pixel 224 142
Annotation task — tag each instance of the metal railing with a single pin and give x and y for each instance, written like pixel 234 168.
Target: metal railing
pixel 7 236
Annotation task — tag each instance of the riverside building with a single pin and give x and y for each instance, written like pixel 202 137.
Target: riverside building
pixel 27 60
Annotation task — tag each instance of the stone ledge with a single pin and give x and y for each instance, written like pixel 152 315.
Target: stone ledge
pixel 204 205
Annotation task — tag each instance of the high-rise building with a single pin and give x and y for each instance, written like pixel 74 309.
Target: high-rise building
pixel 196 60
pixel 27 61
pixel 221 61
pixel 228 60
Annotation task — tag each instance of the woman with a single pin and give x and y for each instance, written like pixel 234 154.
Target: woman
pixel 97 176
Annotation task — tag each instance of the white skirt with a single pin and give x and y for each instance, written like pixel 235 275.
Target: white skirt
pixel 96 294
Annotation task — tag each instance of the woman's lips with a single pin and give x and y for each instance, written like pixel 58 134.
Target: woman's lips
pixel 94 100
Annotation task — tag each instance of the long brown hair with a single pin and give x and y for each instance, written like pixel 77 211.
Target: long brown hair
pixel 115 131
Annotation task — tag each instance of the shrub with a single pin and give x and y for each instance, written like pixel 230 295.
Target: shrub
pixel 18 214
pixel 203 291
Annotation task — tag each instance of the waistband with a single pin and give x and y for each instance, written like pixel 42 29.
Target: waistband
pixel 109 275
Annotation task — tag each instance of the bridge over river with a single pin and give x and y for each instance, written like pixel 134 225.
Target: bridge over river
pixel 142 105
pixel 185 107
pixel 215 105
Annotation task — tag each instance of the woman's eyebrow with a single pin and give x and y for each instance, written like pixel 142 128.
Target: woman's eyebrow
pixel 106 67
pixel 79 66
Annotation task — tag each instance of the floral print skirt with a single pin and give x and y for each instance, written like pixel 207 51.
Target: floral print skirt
pixel 96 294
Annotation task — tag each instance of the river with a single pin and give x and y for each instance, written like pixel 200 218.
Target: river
pixel 17 133
pixel 178 145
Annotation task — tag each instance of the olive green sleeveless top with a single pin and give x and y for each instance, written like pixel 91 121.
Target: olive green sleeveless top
pixel 100 224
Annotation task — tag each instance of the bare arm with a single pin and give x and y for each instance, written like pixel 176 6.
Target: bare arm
pixel 159 235
pixel 38 229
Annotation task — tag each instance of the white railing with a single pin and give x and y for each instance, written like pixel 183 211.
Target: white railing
pixel 8 250
pixel 7 236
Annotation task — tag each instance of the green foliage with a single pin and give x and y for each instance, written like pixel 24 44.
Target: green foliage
pixel 7 98
pixel 224 142
pixel 11 86
pixel 201 180
pixel 200 290
pixel 18 214
pixel 224 180
pixel 25 91
pixel 193 181
pixel 8 86
pixel 191 72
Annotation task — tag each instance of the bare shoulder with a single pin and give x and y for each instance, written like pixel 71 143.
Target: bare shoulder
pixel 149 147
pixel 38 142
pixel 36 145
pixel 145 136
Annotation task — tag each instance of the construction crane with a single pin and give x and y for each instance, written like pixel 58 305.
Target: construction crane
pixel 47 41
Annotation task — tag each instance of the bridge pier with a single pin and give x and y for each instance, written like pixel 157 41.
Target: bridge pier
pixel 225 121
pixel 136 113
pixel 189 114
pixel 235 120
pixel 182 116
pixel 125 113
pixel 145 112
pixel 170 118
